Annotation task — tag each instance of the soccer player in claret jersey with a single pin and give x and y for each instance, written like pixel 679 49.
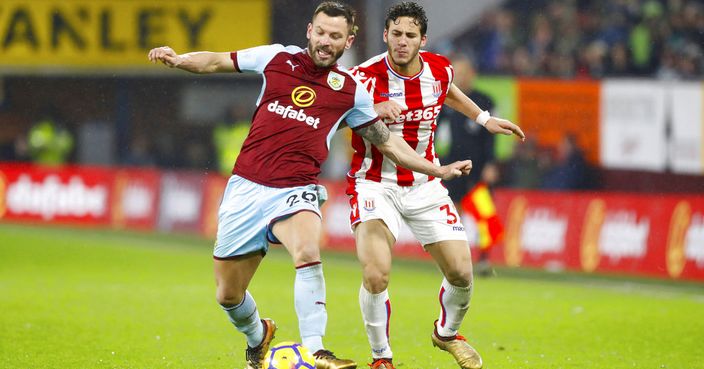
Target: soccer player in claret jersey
pixel 272 195
pixel 410 87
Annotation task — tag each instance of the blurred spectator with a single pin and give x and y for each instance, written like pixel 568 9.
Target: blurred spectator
pixel 196 155
pixel 570 170
pixel 228 137
pixel 618 61
pixel 525 169
pixel 17 150
pixel 140 153
pixel 49 143
pixel 463 138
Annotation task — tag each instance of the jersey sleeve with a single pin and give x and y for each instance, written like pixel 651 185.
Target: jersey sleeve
pixel 363 113
pixel 255 59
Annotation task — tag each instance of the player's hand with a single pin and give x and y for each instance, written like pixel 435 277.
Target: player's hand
pixel 505 127
pixel 388 110
pixel 165 55
pixel 456 169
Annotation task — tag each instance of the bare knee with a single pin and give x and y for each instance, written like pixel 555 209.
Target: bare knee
pixel 228 296
pixel 459 277
pixel 305 254
pixel 375 280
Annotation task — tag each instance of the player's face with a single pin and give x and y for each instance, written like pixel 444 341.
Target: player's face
pixel 328 38
pixel 403 40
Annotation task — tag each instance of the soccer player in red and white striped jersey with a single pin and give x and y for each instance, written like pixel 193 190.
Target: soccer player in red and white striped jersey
pixel 409 87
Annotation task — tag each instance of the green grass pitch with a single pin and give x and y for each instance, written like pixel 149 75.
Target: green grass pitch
pixel 102 299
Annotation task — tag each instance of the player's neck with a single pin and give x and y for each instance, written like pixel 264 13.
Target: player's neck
pixel 408 70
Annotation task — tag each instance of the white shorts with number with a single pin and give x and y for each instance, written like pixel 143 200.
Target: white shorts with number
pixel 249 210
pixel 426 209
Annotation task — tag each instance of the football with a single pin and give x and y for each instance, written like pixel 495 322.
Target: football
pixel 289 355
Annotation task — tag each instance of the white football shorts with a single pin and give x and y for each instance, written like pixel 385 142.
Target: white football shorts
pixel 426 209
pixel 249 210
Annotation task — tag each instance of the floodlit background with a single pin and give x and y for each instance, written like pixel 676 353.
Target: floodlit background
pixel 112 168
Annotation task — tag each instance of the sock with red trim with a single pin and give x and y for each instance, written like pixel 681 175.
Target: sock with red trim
pixel 454 303
pixel 376 313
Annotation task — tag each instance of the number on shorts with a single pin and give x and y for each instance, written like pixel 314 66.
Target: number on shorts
pixel 305 196
pixel 451 217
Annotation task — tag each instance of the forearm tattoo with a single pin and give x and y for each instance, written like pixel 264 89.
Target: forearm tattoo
pixel 376 133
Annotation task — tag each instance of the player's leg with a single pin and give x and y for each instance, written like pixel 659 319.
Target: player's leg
pixel 434 221
pixel 300 235
pixel 240 247
pixel 376 222
pixel 455 261
pixel 232 276
pixel 374 241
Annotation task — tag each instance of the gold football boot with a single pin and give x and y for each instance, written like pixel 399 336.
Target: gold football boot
pixel 325 359
pixel 465 355
pixel 255 355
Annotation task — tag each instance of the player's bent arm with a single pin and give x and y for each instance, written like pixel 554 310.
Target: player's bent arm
pixel 396 149
pixel 457 100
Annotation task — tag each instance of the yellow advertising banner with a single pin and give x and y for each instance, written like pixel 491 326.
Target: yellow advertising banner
pixel 110 34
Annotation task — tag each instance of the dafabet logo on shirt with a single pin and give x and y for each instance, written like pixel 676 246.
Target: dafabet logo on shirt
pixel 303 96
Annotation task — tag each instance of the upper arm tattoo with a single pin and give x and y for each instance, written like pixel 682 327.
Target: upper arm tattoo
pixel 377 133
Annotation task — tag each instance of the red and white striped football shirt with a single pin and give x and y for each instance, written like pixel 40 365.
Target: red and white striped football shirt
pixel 421 96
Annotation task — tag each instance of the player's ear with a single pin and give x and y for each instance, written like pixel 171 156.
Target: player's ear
pixel 423 40
pixel 386 32
pixel 348 43
pixel 309 30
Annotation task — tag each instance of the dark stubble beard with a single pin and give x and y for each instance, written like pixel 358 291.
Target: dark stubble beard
pixel 318 63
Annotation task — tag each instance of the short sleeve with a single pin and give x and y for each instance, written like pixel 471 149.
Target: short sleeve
pixel 363 112
pixel 255 59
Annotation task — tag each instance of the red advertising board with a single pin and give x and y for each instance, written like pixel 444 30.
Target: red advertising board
pixel 660 236
pixel 652 235
pixel 136 198
pixel 64 195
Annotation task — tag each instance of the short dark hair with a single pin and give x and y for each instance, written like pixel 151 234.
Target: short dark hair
pixel 337 9
pixel 408 9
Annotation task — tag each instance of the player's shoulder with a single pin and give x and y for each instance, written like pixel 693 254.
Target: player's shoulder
pixel 290 49
pixel 373 61
pixel 346 73
pixel 375 64
pixel 435 59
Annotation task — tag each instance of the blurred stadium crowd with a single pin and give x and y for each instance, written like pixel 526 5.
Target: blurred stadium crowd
pixel 590 39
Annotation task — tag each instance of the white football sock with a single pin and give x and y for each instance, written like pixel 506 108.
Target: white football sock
pixel 376 312
pixel 454 303
pixel 309 298
pixel 245 317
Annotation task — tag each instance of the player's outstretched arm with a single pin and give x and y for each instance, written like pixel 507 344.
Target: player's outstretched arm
pixel 195 62
pixel 457 100
pixel 396 149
